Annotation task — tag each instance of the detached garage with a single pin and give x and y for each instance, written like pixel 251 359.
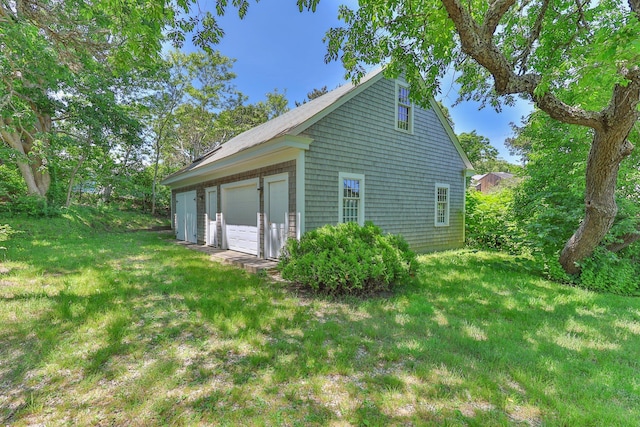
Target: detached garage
pixel 310 166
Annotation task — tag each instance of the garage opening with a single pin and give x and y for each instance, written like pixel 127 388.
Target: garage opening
pixel 240 206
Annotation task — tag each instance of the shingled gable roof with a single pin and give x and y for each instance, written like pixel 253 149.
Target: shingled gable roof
pixel 293 122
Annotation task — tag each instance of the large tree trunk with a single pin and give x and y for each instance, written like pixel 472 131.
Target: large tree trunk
pixel 35 176
pixel 608 149
pixel 31 164
pixel 611 126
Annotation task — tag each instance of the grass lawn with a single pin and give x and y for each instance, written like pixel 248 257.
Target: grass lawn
pixel 102 326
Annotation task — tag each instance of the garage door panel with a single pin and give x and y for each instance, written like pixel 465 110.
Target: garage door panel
pixel 242 238
pixel 240 207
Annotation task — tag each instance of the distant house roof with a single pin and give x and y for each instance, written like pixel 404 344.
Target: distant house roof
pixel 503 175
pixel 293 122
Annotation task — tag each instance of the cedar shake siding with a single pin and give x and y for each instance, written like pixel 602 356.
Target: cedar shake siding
pixel 401 169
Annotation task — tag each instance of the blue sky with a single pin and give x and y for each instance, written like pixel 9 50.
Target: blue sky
pixel 277 47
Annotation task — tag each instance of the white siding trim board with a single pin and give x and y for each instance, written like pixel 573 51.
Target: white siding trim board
pixel 275 151
pixel 300 194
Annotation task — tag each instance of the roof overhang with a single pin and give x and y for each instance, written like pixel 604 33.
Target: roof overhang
pixel 269 152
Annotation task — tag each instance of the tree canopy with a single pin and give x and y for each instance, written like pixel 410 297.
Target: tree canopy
pixel 552 53
pixel 66 68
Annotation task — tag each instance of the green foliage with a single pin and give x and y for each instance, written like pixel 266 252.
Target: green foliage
pixel 6 232
pixel 29 205
pixel 478 149
pixel 11 182
pixel 347 259
pixel 489 221
pixel 606 271
pixel 548 205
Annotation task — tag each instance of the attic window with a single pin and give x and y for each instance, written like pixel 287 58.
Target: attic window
pixel 404 109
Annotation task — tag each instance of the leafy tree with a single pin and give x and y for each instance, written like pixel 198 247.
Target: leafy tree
pixel 547 203
pixel 552 53
pixel 275 104
pixel 206 89
pixel 478 149
pixel 61 60
pixel 240 118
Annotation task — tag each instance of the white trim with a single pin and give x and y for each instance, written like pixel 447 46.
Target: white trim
pixel 300 194
pixel 348 175
pixel 448 209
pixel 410 106
pixel 464 206
pixel 207 215
pixel 264 154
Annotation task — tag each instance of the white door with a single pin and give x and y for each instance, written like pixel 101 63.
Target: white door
pixel 212 213
pixel 240 206
pixel 186 216
pixel 276 210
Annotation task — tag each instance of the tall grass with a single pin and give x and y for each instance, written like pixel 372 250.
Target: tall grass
pixel 106 327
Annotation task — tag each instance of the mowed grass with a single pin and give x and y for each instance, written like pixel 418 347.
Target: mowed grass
pixel 104 327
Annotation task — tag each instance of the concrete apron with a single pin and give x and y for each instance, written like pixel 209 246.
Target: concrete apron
pixel 250 263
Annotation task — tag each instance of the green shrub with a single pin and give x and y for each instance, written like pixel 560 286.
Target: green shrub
pixel 5 232
pixel 34 206
pixel 488 220
pixel 11 182
pixel 347 259
pixel 605 271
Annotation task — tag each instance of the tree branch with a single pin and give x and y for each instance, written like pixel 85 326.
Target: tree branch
pixel 492 18
pixel 625 241
pixel 533 36
pixel 477 42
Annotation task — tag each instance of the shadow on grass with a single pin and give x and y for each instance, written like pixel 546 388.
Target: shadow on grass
pixel 140 329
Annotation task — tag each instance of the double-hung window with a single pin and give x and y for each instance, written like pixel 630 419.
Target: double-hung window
pixel 442 205
pixel 404 108
pixel 351 204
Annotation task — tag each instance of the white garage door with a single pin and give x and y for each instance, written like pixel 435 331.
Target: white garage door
pixel 186 215
pixel 240 205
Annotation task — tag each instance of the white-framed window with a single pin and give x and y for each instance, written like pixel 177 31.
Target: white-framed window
pixel 351 203
pixel 442 205
pixel 404 108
